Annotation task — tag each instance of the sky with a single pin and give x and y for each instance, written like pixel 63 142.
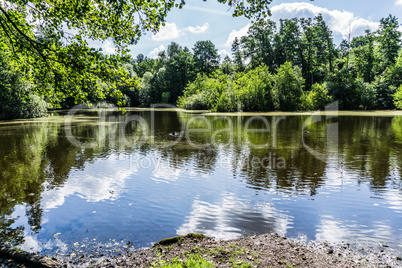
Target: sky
pixel 210 20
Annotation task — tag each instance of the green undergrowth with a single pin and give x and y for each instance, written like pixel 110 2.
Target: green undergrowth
pixel 212 257
pixel 194 260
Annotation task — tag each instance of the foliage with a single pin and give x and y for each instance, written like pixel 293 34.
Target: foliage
pixel 345 89
pixel 389 39
pixel 56 56
pixel 288 88
pixel 204 92
pixel 206 57
pixel 398 98
pixel 317 98
pixel 254 90
pixel 17 99
pixel 194 260
pixel 220 92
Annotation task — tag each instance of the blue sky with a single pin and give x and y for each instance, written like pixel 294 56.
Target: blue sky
pixel 210 20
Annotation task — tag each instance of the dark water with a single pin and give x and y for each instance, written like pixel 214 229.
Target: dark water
pixel 111 180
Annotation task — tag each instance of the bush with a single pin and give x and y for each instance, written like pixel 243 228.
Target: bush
pixel 317 98
pixel 220 92
pixel 17 99
pixel 254 90
pixel 343 87
pixel 398 98
pixel 204 92
pixel 194 102
pixel 288 88
pixel 367 99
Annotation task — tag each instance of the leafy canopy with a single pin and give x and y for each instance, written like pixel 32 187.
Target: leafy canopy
pixel 48 40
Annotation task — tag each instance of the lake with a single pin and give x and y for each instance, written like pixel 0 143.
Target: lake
pixel 86 180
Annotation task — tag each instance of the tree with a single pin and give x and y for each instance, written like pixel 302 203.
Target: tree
pixel 17 100
pixel 398 98
pixel 386 85
pixel 389 39
pixel 345 89
pixel 238 55
pixel 325 46
pixel 227 66
pixel 287 43
pixel 65 70
pixel 317 97
pixel 257 44
pixel 179 71
pixel 288 88
pixel 206 57
pixel 363 56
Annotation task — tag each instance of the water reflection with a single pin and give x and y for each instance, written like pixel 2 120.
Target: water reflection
pixel 223 178
pixel 231 218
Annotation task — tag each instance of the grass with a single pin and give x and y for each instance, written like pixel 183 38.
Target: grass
pixel 194 260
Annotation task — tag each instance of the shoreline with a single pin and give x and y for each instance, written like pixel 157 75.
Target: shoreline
pixel 266 250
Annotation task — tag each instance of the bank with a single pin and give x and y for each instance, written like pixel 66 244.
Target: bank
pixel 197 250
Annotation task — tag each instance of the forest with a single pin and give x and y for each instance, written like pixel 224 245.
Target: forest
pixel 293 66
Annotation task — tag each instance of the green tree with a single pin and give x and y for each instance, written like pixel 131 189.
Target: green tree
pixel 288 88
pixel 254 90
pixel 80 67
pixel 227 66
pixel 206 57
pixel 17 99
pixel 398 98
pixel 343 87
pixel 389 39
pixel 363 56
pixel 257 45
pixel 238 55
pixel 325 50
pixel 386 85
pixel 287 43
pixel 179 71
pixel 317 98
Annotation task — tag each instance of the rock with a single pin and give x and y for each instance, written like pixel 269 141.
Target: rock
pixel 173 240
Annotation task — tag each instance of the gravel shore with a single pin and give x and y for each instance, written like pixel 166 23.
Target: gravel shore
pixel 268 250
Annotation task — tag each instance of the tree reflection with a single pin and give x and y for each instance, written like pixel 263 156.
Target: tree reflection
pixel 37 152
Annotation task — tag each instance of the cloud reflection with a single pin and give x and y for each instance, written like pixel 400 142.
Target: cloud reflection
pixel 102 180
pixel 232 218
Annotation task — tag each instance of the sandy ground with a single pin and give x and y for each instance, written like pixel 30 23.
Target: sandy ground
pixel 269 250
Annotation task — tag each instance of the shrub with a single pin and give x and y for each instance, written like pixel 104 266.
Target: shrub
pixel 317 98
pixel 17 99
pixel 254 90
pixel 288 88
pixel 398 98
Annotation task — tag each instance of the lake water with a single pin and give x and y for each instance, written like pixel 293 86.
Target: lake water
pixel 102 180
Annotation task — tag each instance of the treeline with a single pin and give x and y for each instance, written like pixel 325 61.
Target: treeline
pixel 291 66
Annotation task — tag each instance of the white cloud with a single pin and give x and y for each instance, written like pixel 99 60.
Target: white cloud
pixel 223 53
pixel 167 32
pixel 154 53
pixel 340 22
pixel 108 47
pixel 398 2
pixel 198 29
pixel 238 34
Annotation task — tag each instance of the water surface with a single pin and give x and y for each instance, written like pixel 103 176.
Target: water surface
pixel 103 179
